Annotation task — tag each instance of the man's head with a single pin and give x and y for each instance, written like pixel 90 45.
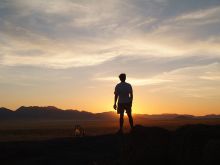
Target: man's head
pixel 122 77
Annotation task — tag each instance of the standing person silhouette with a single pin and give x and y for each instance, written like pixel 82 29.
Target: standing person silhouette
pixel 124 96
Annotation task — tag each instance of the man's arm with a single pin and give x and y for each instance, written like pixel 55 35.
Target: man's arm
pixel 131 96
pixel 115 101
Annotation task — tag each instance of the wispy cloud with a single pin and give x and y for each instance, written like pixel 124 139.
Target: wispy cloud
pixel 200 81
pixel 202 14
pixel 137 81
pixel 194 25
pixel 163 45
pixel 196 81
pixel 75 34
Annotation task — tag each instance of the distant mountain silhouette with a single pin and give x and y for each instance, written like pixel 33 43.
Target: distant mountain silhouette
pixel 211 116
pixel 4 112
pixel 164 116
pixel 51 112
pixel 185 117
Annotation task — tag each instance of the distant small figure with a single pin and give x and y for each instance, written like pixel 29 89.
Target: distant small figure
pixel 79 131
pixel 124 96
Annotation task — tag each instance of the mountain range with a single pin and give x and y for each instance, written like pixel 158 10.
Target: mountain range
pixel 51 112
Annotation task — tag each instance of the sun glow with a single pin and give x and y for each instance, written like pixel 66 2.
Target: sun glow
pixel 69 54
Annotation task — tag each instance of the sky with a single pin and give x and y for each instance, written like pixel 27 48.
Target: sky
pixel 69 54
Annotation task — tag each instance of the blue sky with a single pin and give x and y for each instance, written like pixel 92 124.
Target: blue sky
pixel 69 53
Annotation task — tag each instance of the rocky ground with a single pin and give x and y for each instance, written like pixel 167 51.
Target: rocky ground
pixel 190 144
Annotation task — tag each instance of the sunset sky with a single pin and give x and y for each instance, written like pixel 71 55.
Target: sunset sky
pixel 69 54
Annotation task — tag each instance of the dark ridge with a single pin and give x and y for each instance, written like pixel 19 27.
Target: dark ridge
pixel 37 108
pixel 211 116
pixel 3 109
pixel 5 113
pixel 190 144
pixel 51 112
pixel 185 117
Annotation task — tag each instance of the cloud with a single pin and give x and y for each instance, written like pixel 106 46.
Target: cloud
pixel 210 77
pixel 201 81
pixel 137 81
pixel 56 62
pixel 200 14
pixel 69 34
pixel 196 81
pixel 199 24
pixel 167 48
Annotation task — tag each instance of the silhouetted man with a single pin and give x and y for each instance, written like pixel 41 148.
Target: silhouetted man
pixel 124 96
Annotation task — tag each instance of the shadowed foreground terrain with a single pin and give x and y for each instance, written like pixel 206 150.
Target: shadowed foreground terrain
pixel 191 144
pixel 42 123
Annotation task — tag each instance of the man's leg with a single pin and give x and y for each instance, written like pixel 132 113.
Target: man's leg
pixel 130 119
pixel 121 120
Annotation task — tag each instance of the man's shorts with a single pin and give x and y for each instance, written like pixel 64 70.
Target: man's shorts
pixel 124 107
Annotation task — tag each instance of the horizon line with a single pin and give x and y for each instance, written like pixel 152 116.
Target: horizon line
pixel 110 111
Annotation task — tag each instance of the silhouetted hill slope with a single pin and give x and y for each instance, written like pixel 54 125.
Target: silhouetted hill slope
pixel 4 110
pixel 164 116
pixel 51 112
pixel 211 116
pixel 106 115
pixel 192 144
pixel 5 113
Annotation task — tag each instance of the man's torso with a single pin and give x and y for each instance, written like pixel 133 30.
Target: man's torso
pixel 123 90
